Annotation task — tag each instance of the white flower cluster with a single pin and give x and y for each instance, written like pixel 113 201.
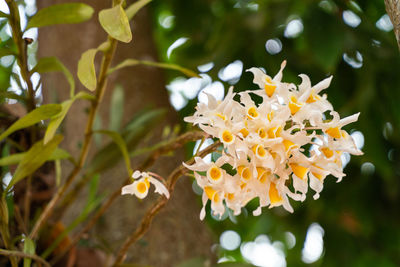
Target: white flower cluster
pixel 292 139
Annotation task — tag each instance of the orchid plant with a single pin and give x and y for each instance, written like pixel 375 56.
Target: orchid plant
pixel 292 140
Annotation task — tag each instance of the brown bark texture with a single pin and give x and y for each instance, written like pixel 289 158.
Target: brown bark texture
pixel 177 233
pixel 393 10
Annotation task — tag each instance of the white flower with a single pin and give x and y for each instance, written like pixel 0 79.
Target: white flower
pixel 140 187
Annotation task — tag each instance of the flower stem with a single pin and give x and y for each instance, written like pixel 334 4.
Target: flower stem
pixel 162 149
pixel 15 253
pixel 158 205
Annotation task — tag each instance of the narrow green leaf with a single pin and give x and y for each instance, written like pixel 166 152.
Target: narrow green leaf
pixel 29 248
pixel 86 70
pixel 116 137
pixel 6 51
pixel 135 7
pixel 3 15
pixel 134 62
pixel 33 159
pixel 56 120
pixel 116 108
pixel 68 13
pixel 58 172
pixel 115 22
pixel 16 158
pixel 84 95
pixel 52 64
pixel 41 113
pixel 11 95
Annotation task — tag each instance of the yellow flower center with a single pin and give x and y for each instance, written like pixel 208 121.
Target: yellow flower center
pixel 259 150
pixel 274 132
pixel 269 86
pixel 274 195
pixel 262 174
pixel 141 187
pixel 252 113
pixel 230 196
pixel 294 105
pixel 334 132
pixel 227 136
pixel 215 173
pixel 327 152
pixel 299 170
pixel 262 133
pixel 244 172
pixel 313 97
pixel 244 132
pixel 288 145
pixel 211 193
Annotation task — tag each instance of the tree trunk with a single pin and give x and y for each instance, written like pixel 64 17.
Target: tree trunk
pixel 177 232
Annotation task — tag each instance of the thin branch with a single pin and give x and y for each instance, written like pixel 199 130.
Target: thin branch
pixel 158 205
pixel 20 254
pixel 173 145
pixel 158 150
pixel 393 10
pixel 100 88
pixel 22 57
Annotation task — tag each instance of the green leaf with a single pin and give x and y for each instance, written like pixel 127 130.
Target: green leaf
pixel 6 51
pixel 41 113
pixel 135 7
pixel 116 108
pixel 134 62
pixel 11 95
pixel 115 22
pixel 17 157
pixel 85 96
pixel 116 137
pixel 86 70
pixel 52 64
pixel 29 248
pixel 56 120
pixel 33 159
pixel 69 13
pixel 3 15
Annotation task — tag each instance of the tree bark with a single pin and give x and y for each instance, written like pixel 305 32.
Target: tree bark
pixel 393 10
pixel 177 232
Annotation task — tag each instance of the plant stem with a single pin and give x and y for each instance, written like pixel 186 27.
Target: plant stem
pixel 157 206
pixel 162 149
pixel 16 253
pixel 27 201
pixel 22 57
pixel 5 230
pixel 100 88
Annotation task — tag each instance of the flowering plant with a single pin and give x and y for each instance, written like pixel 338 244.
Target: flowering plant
pixel 291 140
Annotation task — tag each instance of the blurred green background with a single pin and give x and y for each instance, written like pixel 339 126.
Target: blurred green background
pixel 355 222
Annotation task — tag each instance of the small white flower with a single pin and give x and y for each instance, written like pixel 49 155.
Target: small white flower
pixel 140 187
